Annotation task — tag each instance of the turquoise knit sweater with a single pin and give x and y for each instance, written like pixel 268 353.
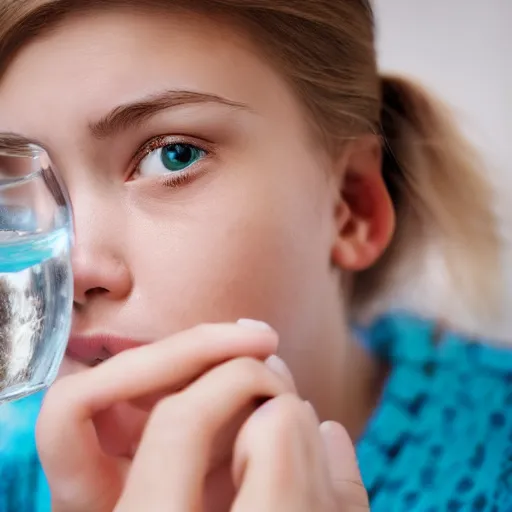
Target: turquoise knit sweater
pixel 440 440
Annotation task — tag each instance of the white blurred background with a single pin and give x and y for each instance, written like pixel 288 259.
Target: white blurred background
pixel 462 49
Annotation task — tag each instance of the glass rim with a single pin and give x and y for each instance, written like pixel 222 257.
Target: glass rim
pixel 12 145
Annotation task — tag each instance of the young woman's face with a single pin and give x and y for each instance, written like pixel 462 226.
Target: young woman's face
pixel 199 194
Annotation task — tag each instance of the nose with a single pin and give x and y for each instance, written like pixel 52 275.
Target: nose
pixel 99 267
pixel 98 275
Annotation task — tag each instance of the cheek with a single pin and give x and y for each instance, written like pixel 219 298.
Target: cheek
pixel 254 248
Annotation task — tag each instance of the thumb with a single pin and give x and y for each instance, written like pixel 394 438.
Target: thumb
pixel 80 475
pixel 343 468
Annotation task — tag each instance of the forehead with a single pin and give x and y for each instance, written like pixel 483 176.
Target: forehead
pixel 94 61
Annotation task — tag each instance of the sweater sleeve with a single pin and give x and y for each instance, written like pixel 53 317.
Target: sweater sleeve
pixel 23 487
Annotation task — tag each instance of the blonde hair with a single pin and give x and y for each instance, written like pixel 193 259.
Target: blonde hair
pixel 326 50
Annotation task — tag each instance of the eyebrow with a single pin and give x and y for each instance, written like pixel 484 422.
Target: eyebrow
pixel 125 116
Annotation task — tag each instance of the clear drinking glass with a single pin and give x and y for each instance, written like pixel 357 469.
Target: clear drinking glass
pixel 36 285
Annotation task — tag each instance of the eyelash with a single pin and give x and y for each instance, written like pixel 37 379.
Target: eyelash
pixel 176 179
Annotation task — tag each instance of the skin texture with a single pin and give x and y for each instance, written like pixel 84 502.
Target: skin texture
pixel 264 227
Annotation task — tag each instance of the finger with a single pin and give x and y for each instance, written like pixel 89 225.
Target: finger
pixel 95 485
pixel 279 462
pixel 119 429
pixel 175 453
pixel 69 449
pixel 278 366
pixel 343 467
pixel 275 363
pixel 126 445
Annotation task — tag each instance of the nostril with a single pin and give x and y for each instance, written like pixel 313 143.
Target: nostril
pixel 81 299
pixel 94 292
pixel 100 276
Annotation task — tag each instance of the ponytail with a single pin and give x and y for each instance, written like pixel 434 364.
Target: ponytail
pixel 440 197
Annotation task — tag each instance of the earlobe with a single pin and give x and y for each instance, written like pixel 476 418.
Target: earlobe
pixel 365 216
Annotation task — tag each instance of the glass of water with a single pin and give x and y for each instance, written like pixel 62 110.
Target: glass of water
pixel 36 285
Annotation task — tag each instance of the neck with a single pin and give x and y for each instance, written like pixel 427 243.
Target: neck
pixel 361 382
pixel 343 381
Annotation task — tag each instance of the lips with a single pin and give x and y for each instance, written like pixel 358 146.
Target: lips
pixel 96 349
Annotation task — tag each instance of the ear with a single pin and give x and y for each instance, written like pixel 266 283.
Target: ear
pixel 365 218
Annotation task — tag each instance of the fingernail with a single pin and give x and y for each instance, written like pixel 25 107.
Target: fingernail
pixel 254 324
pixel 327 427
pixel 279 367
pixel 311 409
pixel 342 458
pixel 334 433
pixel 265 407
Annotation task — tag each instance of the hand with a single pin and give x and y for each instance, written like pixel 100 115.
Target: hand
pixel 284 461
pixel 195 385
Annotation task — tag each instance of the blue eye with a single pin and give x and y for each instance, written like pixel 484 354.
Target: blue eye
pixel 177 157
pixel 171 158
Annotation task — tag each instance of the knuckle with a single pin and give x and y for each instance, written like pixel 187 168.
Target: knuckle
pixel 57 393
pixel 202 330
pixel 177 417
pixel 288 412
pixel 277 430
pixel 208 332
pixel 58 400
pixel 281 420
pixel 249 373
pixel 60 403
pixel 167 411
